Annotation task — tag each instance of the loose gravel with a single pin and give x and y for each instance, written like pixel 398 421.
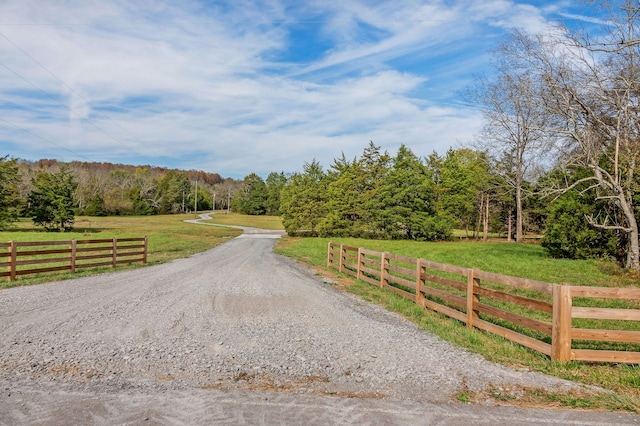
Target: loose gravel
pixel 237 317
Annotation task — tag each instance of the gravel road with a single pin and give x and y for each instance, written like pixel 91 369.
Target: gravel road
pixel 165 344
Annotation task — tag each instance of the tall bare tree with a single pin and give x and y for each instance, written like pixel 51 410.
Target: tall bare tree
pixel 512 125
pixel 590 88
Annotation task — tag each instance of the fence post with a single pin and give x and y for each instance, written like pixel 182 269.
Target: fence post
pixel 342 254
pixel 360 263
pixel 330 255
pixel 561 326
pixel 384 270
pixel 420 273
pixel 146 245
pixel 471 298
pixel 73 256
pixel 13 248
pixel 114 252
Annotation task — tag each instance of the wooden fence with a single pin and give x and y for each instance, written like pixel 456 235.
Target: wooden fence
pixel 69 255
pixel 535 314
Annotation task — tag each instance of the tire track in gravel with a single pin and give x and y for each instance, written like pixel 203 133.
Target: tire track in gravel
pixel 160 344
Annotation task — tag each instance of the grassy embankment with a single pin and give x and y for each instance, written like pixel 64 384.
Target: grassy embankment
pixel 171 238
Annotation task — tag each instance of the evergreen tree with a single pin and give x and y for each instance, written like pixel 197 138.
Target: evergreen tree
pixel 345 203
pixel 464 179
pixel 10 201
pixel 174 188
pixel 275 182
pixel 406 201
pixel 252 197
pixel 303 200
pixel 51 200
pixel 568 234
pixel 95 207
pixel 352 185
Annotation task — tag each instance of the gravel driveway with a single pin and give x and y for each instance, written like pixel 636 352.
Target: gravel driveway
pixel 165 344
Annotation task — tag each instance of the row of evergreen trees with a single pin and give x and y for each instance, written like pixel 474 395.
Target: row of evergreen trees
pixel 407 197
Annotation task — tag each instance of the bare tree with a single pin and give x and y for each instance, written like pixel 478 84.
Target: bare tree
pixel 590 89
pixel 512 126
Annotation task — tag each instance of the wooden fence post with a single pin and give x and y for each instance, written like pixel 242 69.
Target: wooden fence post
pixel 13 248
pixel 342 254
pixel 73 256
pixel 471 298
pixel 330 255
pixel 360 263
pixel 114 252
pixel 420 273
pixel 384 270
pixel 146 246
pixel 561 326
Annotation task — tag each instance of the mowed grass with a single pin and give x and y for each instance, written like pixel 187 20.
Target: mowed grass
pixel 519 260
pixel 169 238
pixel 262 222
pixel 523 260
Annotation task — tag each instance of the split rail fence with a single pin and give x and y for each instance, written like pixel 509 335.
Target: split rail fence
pixel 20 257
pixel 541 316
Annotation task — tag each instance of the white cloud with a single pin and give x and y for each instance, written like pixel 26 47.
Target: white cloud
pixel 210 86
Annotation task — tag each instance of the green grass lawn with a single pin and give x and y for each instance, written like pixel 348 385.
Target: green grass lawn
pixel 519 260
pixel 262 222
pixel 169 237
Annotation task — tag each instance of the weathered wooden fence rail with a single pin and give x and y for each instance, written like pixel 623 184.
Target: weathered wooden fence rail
pixel 20 257
pixel 535 314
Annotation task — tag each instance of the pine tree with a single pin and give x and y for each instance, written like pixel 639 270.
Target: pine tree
pixel 303 200
pixel 406 202
pixel 51 200
pixel 9 195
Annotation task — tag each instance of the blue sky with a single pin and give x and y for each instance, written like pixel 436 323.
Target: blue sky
pixel 241 86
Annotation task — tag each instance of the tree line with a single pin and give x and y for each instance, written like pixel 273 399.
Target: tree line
pixel 53 192
pixel 403 196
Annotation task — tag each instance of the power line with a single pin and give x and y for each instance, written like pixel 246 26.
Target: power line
pixel 45 139
pixel 70 110
pixel 74 91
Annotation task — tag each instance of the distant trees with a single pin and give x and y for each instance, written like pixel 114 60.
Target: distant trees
pixel 174 188
pixel 275 182
pixel 10 201
pixel 37 189
pixel 51 200
pixel 251 199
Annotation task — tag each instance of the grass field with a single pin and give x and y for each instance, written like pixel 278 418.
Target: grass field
pixel 263 222
pixel 171 238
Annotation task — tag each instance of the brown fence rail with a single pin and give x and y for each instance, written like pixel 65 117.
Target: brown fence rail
pixel 50 256
pixel 535 314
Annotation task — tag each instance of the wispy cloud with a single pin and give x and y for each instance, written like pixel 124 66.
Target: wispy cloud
pixel 242 86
